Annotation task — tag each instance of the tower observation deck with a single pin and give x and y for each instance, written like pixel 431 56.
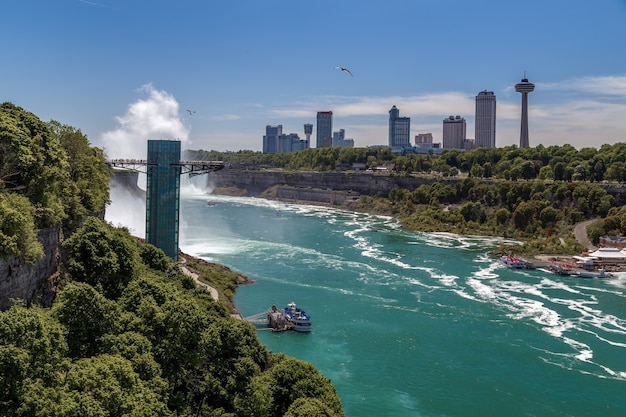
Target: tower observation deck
pixel 163 169
pixel 524 87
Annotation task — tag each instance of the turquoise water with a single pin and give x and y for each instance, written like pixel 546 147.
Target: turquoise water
pixel 414 324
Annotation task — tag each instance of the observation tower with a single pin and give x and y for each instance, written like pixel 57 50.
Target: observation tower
pixel 308 130
pixel 524 87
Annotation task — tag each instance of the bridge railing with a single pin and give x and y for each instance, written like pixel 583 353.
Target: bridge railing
pixel 187 167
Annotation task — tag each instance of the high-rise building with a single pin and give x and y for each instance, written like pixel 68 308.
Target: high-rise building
pixel 454 132
pixel 270 140
pixel 308 130
pixel 290 143
pixel 339 139
pixel 399 130
pixel 163 195
pixel 485 123
pixel 324 129
pixel 423 139
pixel 524 87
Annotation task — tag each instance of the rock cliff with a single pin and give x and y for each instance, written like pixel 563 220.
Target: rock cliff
pixel 36 282
pixel 255 182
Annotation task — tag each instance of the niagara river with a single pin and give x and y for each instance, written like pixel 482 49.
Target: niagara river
pixel 418 324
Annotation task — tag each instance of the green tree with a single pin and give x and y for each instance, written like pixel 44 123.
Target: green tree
pixel 40 336
pixel 87 316
pixel 549 216
pixel 102 256
pixel 18 235
pixel 13 378
pixel 155 258
pixel 33 163
pixel 309 407
pixel 101 386
pixel 88 171
pixel 523 215
pixel 291 379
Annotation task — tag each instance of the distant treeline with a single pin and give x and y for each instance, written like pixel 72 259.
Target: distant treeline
pixel 560 163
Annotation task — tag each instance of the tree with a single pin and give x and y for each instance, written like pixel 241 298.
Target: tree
pixel 291 379
pixel 549 216
pixel 17 229
pixel 14 369
pixel 102 256
pixel 101 386
pixel 523 215
pixel 309 407
pixel 32 347
pixel 33 163
pixel 39 335
pixel 88 171
pixel 154 257
pixel 87 316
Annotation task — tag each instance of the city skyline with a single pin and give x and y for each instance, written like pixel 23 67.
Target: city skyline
pixel 214 74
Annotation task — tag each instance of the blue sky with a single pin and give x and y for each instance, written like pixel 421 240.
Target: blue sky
pixel 127 71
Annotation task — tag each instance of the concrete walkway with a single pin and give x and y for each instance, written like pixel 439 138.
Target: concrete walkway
pixel 214 294
pixel 580 233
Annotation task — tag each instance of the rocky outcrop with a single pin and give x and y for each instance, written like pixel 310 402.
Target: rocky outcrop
pixel 127 180
pixel 24 283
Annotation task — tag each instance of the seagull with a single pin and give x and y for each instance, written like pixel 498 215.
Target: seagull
pixel 344 69
pixel 191 112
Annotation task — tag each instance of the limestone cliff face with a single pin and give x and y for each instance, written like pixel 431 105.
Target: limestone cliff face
pixel 36 282
pixel 257 181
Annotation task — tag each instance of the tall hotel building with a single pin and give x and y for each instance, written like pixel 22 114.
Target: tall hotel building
pixel 399 130
pixel 485 123
pixel 454 132
pixel 270 140
pixel 324 129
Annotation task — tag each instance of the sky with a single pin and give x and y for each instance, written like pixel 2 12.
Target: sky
pixel 214 73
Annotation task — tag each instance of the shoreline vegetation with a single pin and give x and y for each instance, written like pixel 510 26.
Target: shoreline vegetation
pixel 383 207
pixel 534 251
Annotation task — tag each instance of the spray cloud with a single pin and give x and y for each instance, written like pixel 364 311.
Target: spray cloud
pixel 153 117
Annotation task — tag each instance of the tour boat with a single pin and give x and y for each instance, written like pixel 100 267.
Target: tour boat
pixel 515 262
pixel 600 273
pixel 300 321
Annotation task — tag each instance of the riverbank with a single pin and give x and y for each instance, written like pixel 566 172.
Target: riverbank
pixel 353 203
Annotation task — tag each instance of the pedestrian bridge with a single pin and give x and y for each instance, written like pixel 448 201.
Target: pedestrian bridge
pixel 186 167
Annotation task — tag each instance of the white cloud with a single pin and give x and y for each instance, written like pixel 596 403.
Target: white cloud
pixel 154 117
pixel 614 85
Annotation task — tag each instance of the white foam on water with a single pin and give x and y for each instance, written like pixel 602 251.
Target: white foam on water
pixel 482 290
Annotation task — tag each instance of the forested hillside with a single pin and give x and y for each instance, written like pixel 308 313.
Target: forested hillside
pixel 560 163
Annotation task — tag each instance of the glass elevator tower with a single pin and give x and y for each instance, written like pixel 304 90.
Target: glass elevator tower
pixel 163 195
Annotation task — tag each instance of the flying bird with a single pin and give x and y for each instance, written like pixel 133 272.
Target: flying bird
pixel 191 112
pixel 344 69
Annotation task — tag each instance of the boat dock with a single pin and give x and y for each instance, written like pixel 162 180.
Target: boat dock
pixel 278 320
pixel 274 319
